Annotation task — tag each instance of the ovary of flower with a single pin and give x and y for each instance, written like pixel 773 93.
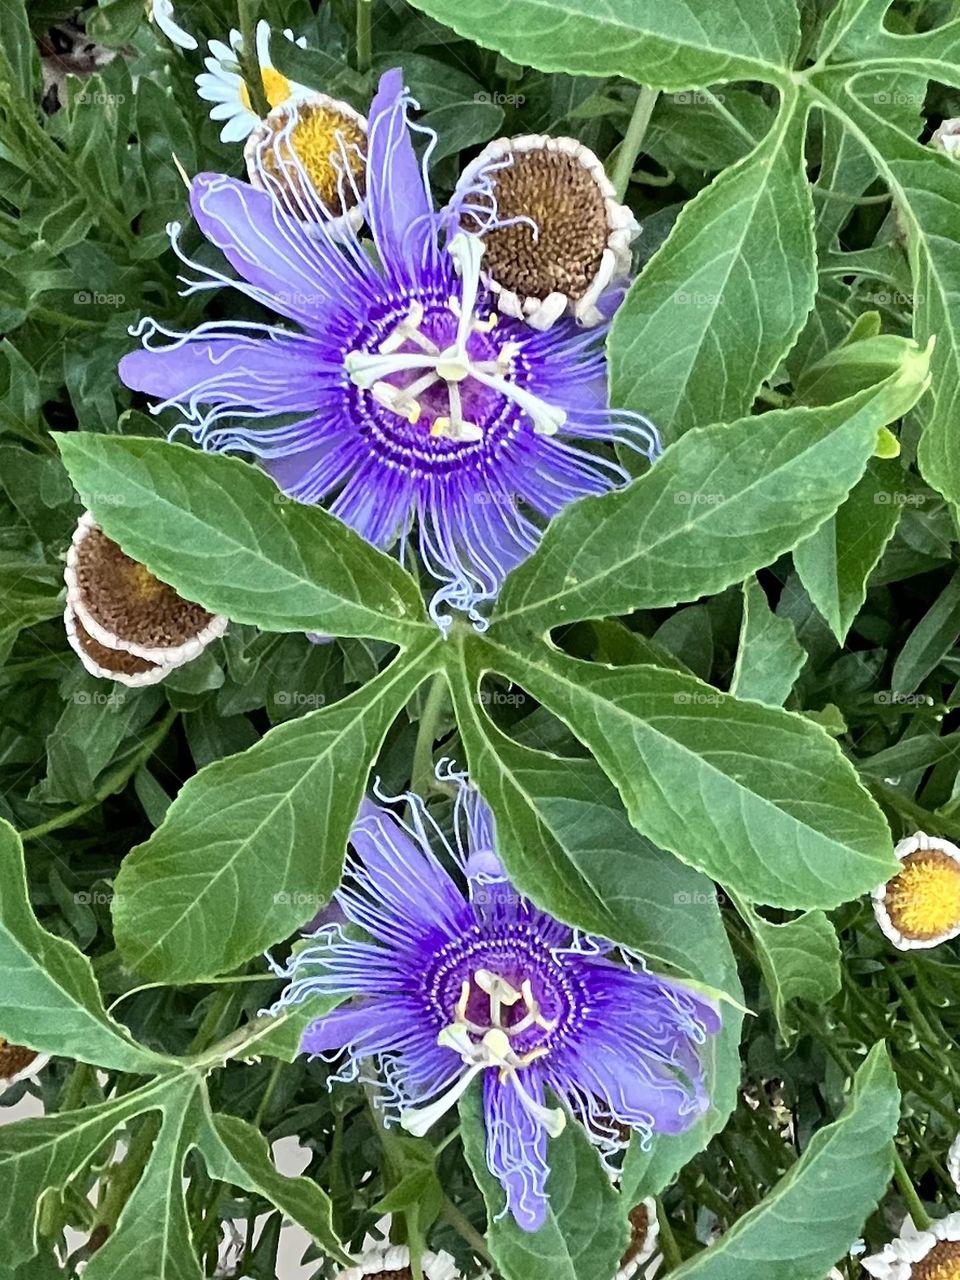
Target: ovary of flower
pixel 494 1049
pixel 454 365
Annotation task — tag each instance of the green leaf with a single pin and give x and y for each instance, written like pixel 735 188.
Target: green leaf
pixel 815 1213
pixel 585 1233
pixel 721 503
pixel 567 843
pixel 723 299
pixel 20 50
pixel 49 999
pixel 220 532
pixel 758 798
pixel 47 1151
pixel 836 562
pixel 253 845
pixel 459 125
pixel 931 639
pixel 153 1226
pixel 800 960
pixel 770 656
pixel 670 47
pixel 925 185
pixel 88 736
pixel 237 1153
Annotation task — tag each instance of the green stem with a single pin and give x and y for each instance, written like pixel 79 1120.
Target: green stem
pixel 114 781
pixel 268 1093
pixel 75 1087
pixel 465 1228
pixel 210 1026
pixel 364 35
pixel 422 777
pixel 247 11
pixel 668 1241
pixel 633 140
pixel 909 1192
pixel 775 398
pixel 128 1172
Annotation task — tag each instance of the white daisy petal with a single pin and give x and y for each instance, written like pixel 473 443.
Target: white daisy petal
pixel 387 1259
pixel 161 11
pixel 239 127
pixel 937 1248
pixel 220 52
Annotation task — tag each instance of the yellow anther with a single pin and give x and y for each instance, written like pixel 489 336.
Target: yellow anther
pixel 485 326
pixel 440 427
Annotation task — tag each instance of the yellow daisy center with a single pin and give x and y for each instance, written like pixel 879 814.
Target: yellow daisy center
pixel 276 88
pixel 324 140
pixel 923 900
pixel 941 1263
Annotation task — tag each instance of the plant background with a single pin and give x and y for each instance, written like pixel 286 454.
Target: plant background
pixel 799 249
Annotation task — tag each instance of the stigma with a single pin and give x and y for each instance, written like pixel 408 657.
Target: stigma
pixel 407 349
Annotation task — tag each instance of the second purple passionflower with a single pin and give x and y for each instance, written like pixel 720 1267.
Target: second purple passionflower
pixel 454 985
pixel 404 397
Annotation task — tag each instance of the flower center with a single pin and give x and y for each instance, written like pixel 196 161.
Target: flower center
pixel 126 599
pixel 307 147
pixel 941 1263
pixel 491 1043
pixel 409 365
pixel 923 900
pixel 551 224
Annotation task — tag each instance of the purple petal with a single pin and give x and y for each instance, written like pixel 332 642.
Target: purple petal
pixel 277 373
pixel 635 1056
pixel 399 208
pixel 517 1149
pixel 417 1067
pixel 375 502
pixel 396 889
pixel 304 278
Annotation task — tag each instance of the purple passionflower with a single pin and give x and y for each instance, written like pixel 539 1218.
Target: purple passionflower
pixel 403 397
pixel 452 984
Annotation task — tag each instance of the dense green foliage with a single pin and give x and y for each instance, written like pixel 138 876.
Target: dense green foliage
pixel 706 707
